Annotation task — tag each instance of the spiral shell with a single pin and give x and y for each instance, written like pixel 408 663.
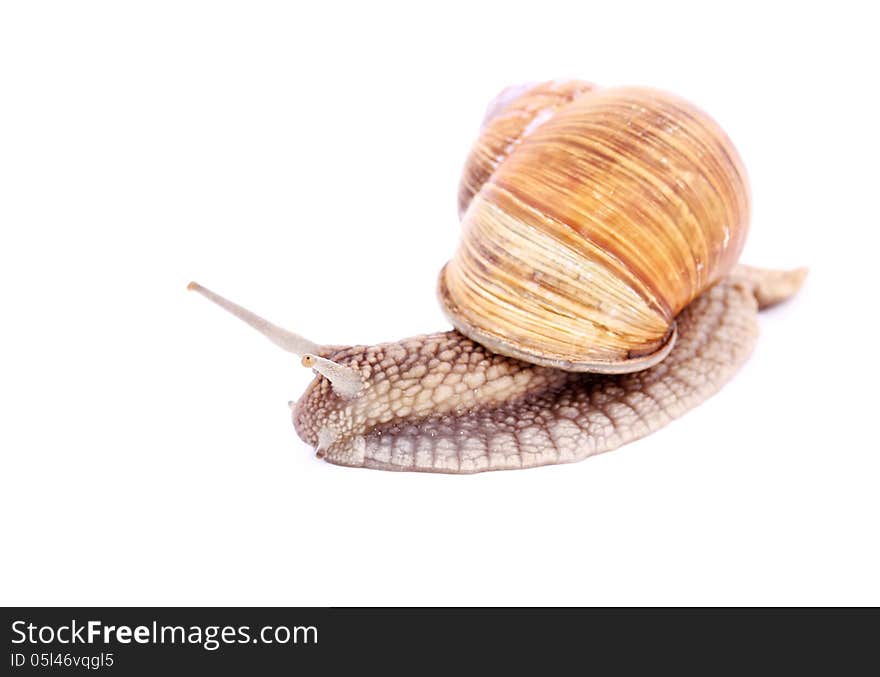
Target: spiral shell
pixel 590 218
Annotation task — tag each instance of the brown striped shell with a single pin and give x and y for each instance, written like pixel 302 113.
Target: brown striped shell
pixel 590 218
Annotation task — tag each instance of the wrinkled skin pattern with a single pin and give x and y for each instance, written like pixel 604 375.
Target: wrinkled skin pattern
pixel 442 403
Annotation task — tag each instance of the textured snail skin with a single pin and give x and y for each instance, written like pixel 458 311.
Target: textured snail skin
pixel 442 403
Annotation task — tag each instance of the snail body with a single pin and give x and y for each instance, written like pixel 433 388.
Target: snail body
pixel 595 294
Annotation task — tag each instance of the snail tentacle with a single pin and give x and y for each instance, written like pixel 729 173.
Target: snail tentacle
pixel 283 338
pixel 345 380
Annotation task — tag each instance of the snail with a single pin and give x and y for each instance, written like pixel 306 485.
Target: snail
pixel 595 294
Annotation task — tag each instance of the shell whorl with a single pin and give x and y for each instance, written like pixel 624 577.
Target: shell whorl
pixel 511 116
pixel 590 219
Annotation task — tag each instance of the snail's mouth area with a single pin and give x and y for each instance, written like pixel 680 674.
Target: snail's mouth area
pixel 303 424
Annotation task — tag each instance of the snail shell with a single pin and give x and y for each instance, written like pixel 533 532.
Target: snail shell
pixel 590 218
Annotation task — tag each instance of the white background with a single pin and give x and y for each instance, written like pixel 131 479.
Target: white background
pixel 303 158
